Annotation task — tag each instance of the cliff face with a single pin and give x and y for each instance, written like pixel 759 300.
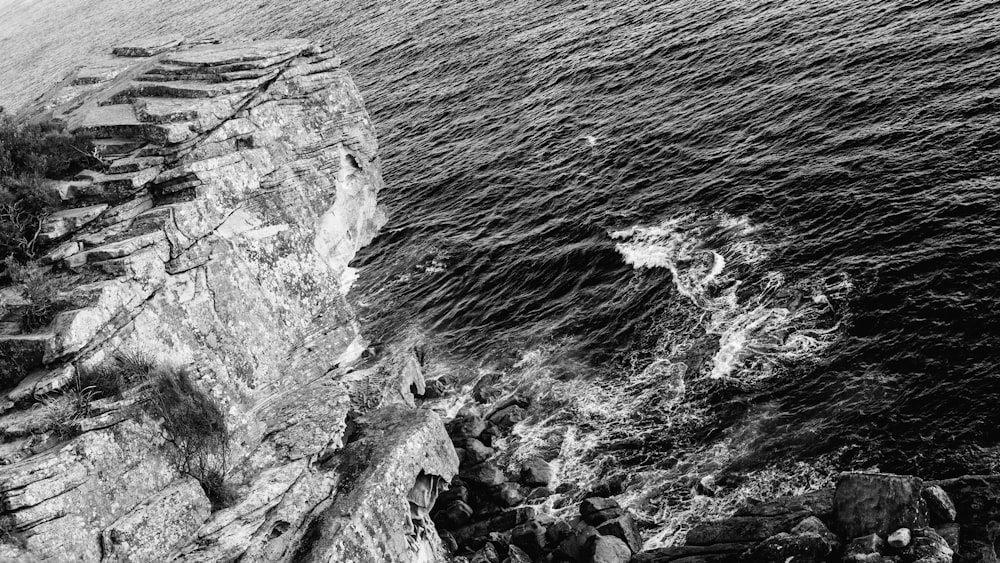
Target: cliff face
pixel 235 184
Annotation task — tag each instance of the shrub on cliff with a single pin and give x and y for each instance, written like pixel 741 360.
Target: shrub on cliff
pixel 42 292
pixel 29 153
pixel 194 426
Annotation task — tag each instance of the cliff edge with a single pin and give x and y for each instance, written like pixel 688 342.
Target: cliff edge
pixel 231 186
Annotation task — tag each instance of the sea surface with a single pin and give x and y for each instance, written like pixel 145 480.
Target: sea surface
pixel 715 239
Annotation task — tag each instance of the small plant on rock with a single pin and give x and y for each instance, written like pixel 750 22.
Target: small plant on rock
pixel 194 426
pixel 41 291
pixel 111 378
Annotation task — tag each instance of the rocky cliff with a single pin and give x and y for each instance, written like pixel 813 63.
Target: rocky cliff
pixel 231 186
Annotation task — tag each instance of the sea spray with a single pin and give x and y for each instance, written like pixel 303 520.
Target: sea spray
pixel 712 259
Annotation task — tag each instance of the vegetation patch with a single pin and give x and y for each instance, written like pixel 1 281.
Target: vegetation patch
pixel 111 378
pixel 194 426
pixel 42 291
pixel 30 153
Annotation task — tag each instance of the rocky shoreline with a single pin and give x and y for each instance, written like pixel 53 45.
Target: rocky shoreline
pixel 492 516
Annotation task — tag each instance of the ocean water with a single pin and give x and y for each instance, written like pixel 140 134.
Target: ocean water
pixel 710 238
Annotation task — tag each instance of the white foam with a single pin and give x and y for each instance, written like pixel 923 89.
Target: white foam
pixel 705 255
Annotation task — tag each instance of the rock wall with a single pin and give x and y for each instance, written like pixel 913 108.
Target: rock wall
pixel 232 185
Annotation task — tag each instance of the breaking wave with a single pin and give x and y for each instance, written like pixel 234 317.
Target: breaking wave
pixel 760 319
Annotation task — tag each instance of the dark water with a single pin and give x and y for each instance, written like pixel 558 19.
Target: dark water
pixel 862 140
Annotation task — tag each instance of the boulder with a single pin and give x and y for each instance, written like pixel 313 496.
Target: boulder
pixel 624 528
pixel 597 510
pixel 530 537
pixel 899 539
pixel 487 436
pixel 448 541
pixel 608 487
pixel 508 416
pixel 742 529
pixel 434 389
pixel 487 554
pixel 608 549
pixel 558 531
pixel 475 452
pixel 977 503
pixel 940 508
pixel 457 491
pixel 466 426
pixel 536 472
pixel 575 548
pixel 816 503
pixel 454 514
pixel 501 522
pixel 927 546
pixel 877 503
pixel 539 493
pixel 485 474
pixel 719 553
pixel 802 548
pixel 813 525
pixel 507 495
pixel 517 555
pixel 865 549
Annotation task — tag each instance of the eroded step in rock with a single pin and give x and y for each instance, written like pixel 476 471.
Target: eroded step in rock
pixel 184 89
pixel 119 249
pixel 119 121
pixel 24 351
pixel 40 419
pixel 148 47
pixel 145 264
pixel 67 190
pixel 116 147
pixel 204 113
pixel 214 55
pixel 134 164
pixel 111 188
pixel 96 74
pixel 62 252
pixel 62 223
pixel 262 73
pixel 126 211
pixel 42 382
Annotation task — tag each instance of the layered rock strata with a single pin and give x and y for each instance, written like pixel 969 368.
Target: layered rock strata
pixel 230 187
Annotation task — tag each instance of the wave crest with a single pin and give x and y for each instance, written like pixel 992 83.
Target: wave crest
pixel 711 259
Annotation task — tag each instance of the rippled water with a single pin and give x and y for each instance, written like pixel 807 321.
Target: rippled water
pixel 770 227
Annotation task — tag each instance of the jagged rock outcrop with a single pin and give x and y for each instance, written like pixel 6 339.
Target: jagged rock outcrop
pixel 231 186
